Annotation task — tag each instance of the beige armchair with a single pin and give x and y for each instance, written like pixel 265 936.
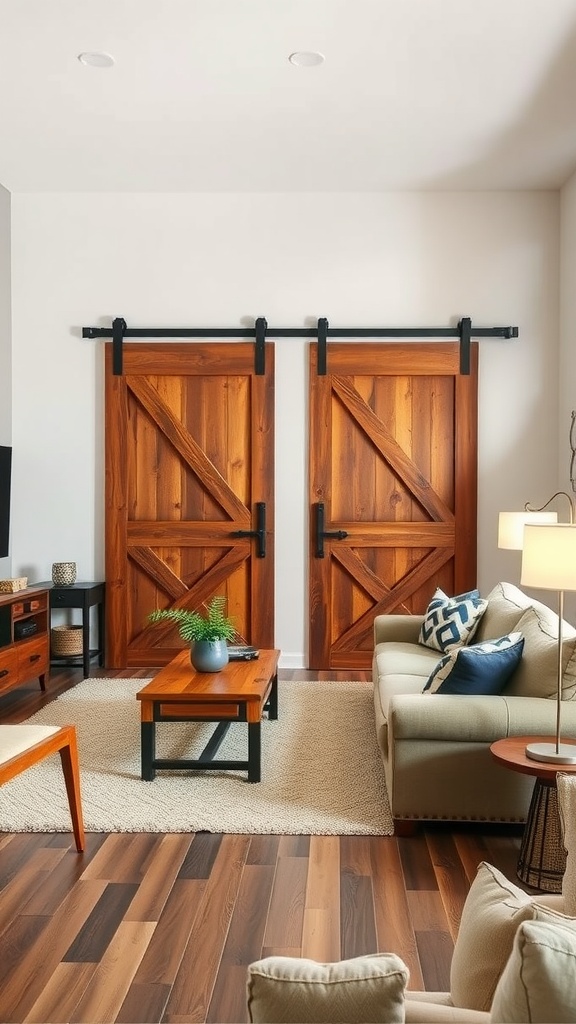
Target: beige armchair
pixel 364 990
pixel 22 746
pixel 514 961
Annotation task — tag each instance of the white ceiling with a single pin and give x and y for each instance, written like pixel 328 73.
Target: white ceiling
pixel 413 94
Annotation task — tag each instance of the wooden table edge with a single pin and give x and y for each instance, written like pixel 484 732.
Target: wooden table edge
pixel 518 762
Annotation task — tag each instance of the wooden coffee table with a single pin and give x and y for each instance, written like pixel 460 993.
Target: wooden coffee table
pixel 542 858
pixel 238 693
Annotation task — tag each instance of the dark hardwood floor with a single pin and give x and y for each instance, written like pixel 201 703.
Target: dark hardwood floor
pixel 150 928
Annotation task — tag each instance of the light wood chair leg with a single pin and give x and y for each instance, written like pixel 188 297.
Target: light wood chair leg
pixel 22 746
pixel 70 767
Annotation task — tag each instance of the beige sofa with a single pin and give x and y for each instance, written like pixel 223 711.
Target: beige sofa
pixel 436 747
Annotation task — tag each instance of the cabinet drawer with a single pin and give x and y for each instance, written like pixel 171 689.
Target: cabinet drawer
pixel 34 604
pixel 32 657
pixel 69 598
pixel 8 669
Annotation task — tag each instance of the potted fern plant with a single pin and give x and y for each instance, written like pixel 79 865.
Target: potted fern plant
pixel 207 632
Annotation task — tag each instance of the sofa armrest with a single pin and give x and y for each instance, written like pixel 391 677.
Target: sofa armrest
pixel 446 717
pixel 402 628
pixel 532 715
pixel 436 1008
pixel 474 719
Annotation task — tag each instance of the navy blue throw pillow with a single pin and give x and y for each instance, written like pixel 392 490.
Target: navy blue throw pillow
pixel 479 669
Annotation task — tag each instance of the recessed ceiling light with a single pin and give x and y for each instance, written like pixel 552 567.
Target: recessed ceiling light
pixel 96 60
pixel 306 59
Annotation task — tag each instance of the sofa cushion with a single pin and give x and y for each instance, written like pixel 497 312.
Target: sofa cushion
pixel 536 675
pixel 505 606
pixel 400 668
pixel 481 668
pixel 450 622
pixel 566 785
pixel 492 912
pixel 538 983
pixel 365 988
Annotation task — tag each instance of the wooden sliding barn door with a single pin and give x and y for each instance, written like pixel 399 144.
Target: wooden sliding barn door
pixel 189 480
pixel 393 480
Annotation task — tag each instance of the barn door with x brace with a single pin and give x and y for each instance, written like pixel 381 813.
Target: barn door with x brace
pixel 189 493
pixel 393 481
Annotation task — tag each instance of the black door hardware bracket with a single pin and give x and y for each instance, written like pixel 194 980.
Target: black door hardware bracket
pixel 120 332
pixel 321 533
pixel 259 532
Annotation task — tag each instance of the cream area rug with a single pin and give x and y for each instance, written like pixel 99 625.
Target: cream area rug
pixel 321 770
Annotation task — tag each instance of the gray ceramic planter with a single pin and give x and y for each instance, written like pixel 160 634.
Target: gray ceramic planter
pixel 209 655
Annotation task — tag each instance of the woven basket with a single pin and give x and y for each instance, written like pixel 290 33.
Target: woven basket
pixel 14 585
pixel 66 640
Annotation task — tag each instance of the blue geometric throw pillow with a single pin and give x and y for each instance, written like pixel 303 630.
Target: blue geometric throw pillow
pixel 451 621
pixel 481 668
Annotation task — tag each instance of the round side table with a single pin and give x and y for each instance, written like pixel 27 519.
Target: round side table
pixel 542 859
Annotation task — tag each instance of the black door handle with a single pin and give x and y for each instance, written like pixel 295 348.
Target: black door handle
pixel 259 532
pixel 321 532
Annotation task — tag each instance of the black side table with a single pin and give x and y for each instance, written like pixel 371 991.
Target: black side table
pixel 84 596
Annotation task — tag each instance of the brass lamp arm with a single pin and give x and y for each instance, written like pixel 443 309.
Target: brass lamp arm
pixel 564 494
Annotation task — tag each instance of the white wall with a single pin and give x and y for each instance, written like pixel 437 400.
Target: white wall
pixel 5 338
pixel 567 398
pixel 567 394
pixel 220 260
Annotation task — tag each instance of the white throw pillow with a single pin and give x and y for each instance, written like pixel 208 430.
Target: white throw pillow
pixel 567 810
pixel 538 983
pixel 493 910
pixel 537 673
pixel 365 988
pixel 450 622
pixel 506 605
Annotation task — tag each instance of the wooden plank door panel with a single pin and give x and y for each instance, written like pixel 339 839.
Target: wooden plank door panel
pixel 189 454
pixel 393 461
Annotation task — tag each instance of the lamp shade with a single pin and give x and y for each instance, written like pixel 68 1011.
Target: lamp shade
pixel 511 527
pixel 549 556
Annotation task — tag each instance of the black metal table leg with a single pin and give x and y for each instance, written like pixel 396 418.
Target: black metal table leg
pixel 272 702
pixel 101 620
pixel 86 633
pixel 148 745
pixel 254 751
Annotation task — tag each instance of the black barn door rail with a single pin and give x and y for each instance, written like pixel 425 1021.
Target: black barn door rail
pixel 463 332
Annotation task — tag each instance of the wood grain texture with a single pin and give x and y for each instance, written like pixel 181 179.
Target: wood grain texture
pixel 159 929
pixel 189 454
pixel 393 461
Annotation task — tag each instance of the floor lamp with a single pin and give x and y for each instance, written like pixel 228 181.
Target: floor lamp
pixel 511 524
pixel 549 563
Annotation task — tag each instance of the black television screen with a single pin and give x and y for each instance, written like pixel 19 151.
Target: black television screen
pixel 5 477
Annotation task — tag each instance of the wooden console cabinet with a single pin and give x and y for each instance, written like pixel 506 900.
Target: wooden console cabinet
pixel 24 657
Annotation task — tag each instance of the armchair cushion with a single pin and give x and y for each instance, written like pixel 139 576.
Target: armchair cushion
pixel 538 983
pixel 492 912
pixel 289 989
pixel 450 622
